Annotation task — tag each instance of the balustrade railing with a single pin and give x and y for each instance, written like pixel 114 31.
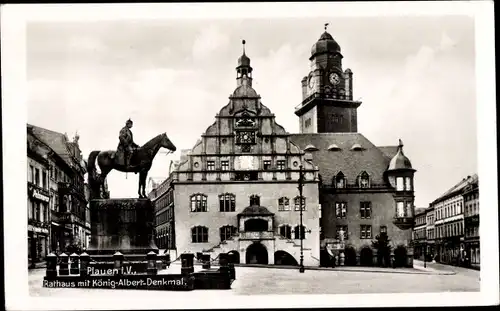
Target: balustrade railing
pixel 356 186
pixel 256 235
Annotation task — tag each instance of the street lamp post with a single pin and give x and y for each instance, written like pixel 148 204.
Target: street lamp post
pixel 302 231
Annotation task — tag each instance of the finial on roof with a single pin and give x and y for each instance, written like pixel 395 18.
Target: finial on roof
pixel 326 25
pixel 243 42
pixel 400 143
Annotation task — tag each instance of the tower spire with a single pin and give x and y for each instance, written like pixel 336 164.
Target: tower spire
pixel 244 70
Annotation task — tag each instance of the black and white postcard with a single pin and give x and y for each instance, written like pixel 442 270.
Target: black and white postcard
pixel 249 155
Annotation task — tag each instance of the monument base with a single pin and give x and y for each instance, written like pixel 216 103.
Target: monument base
pixel 125 226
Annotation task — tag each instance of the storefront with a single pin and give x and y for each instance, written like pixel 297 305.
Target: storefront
pixel 473 253
pixel 38 224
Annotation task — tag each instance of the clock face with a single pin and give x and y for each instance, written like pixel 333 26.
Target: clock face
pixel 334 78
pixel 245 137
pixel 311 82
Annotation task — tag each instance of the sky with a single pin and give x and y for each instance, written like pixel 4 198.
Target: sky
pixel 414 74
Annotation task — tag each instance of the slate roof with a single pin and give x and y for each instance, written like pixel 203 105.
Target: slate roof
pixel 256 210
pixel 371 158
pixel 388 151
pixel 56 141
pixel 420 210
pixel 457 188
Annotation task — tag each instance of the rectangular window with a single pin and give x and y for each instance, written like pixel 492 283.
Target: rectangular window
pixel 283 204
pixel 298 203
pixel 340 209
pixel 400 210
pixel 307 123
pixel 199 235
pixel 37 211
pixel 383 229
pixel 408 209
pixel 408 183
pixel 44 179
pixel 32 174
pixel 210 165
pixel 366 232
pixel 366 210
pixel 344 229
pixel 224 165
pixel 37 177
pixel 227 203
pixel 227 232
pixel 267 165
pixel 280 164
pixel 400 184
pixel 198 203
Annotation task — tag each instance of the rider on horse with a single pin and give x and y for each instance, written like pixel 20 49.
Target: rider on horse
pixel 127 145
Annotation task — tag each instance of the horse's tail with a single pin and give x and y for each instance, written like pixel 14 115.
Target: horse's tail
pixel 91 169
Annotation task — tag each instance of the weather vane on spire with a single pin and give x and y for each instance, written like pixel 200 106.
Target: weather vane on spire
pixel 326 25
pixel 243 41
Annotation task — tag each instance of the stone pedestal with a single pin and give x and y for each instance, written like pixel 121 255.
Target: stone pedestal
pixel 124 225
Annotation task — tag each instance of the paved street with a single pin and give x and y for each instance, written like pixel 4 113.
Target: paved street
pixel 264 281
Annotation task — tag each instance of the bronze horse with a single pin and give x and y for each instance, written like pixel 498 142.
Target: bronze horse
pixel 140 162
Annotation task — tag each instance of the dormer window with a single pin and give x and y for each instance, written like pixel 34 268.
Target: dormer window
pixel 340 180
pixel 310 148
pixel 364 180
pixel 333 147
pixel 356 147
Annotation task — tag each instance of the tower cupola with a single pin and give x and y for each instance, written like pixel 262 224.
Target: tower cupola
pixel 325 45
pixel 400 176
pixel 400 161
pixel 244 70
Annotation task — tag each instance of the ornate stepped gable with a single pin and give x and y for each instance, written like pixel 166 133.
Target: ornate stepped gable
pixel 244 137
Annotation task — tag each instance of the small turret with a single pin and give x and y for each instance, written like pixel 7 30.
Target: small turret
pixel 400 176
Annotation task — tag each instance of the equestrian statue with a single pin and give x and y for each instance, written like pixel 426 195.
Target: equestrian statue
pixel 129 157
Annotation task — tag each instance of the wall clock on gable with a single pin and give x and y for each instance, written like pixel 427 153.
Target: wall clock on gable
pixel 245 137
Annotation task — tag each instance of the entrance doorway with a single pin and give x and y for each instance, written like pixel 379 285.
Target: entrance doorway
pixel 257 254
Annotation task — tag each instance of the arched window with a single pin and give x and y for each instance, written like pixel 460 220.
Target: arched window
pixel 363 180
pixel 198 203
pixel 283 204
pixel 227 232
pixel 286 231
pixel 340 180
pixel 297 203
pixel 299 231
pixel 227 202
pixel 199 234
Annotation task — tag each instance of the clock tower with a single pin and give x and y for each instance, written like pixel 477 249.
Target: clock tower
pixel 327 100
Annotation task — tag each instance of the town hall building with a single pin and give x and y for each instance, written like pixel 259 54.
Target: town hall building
pixel 236 189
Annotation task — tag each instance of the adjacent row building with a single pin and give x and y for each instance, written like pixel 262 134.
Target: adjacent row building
pixel 448 230
pixel 236 190
pixel 58 212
